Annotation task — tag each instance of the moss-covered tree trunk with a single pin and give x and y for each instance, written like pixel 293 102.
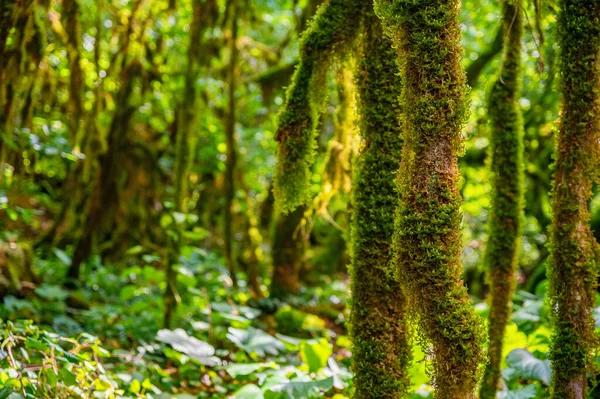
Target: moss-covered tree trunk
pixel 231 152
pixel 573 266
pixel 381 352
pixel 74 49
pixel 504 224
pixel 333 28
pixel 287 252
pixel 428 236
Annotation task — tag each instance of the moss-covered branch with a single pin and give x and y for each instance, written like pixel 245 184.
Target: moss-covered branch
pixel 505 220
pixel 573 266
pixel 333 29
pixel 381 352
pixel 428 237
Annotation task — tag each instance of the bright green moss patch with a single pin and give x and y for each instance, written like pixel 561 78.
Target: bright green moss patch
pixel 381 352
pixel 332 30
pixel 573 265
pixel 505 218
pixel 427 237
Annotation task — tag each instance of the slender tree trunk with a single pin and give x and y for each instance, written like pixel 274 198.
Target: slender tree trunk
pixel 6 22
pixel 428 236
pixel 506 150
pixel 573 266
pixel 76 87
pixel 231 152
pixel 288 253
pixel 381 352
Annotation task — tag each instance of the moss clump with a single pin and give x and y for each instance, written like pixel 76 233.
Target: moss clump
pixel 381 352
pixel 505 220
pixel 428 246
pixel 573 267
pixel 332 30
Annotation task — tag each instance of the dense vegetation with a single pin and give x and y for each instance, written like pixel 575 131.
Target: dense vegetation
pixel 292 199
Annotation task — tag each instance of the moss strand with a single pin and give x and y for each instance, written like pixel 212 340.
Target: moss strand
pixel 332 30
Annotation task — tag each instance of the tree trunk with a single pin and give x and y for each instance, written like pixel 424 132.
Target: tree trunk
pixel 381 351
pixel 573 266
pixel 506 151
pixel 231 152
pixel 288 253
pixel 428 236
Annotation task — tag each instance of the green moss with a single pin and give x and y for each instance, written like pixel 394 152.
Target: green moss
pixel 427 240
pixel 573 265
pixel 381 351
pixel 331 31
pixel 505 218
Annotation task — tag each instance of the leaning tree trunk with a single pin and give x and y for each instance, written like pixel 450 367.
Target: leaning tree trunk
pixel 381 351
pixel 573 267
pixel 428 237
pixel 506 150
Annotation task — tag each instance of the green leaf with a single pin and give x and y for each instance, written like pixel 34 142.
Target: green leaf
pixel 67 377
pixel 235 370
pixel 135 386
pixel 527 392
pixel 62 256
pixel 249 391
pixel 528 366
pixel 34 344
pixel 5 392
pixel 256 341
pixel 299 389
pixel 196 349
pixel 315 353
pixel 51 292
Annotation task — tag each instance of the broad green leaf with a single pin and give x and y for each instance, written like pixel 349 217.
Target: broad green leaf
pixel 249 391
pixel 528 366
pixel 299 389
pixel 315 353
pixel 253 340
pixel 527 392
pixel 51 292
pixel 238 369
pixel 196 349
pixel 513 339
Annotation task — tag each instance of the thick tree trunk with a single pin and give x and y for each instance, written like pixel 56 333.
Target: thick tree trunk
pixel 573 266
pixel 381 351
pixel 428 236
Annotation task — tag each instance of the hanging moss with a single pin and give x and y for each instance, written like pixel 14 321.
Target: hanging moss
pixel 338 159
pixel 573 266
pixel 332 30
pixel 427 236
pixel 505 220
pixel 381 352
